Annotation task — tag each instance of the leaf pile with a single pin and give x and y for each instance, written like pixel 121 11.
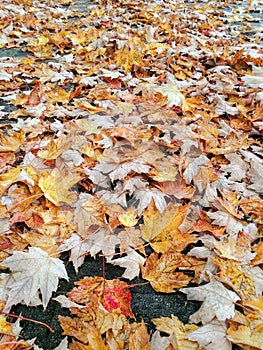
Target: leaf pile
pixel 135 124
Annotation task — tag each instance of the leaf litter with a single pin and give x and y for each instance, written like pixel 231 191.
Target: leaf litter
pixel 131 125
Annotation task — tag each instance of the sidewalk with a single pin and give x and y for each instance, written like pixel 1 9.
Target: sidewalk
pixel 133 130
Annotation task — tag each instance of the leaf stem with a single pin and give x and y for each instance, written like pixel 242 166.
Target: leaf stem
pixel 137 284
pixel 28 319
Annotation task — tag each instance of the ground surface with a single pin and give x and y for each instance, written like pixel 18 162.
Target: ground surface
pixel 143 296
pixel 146 303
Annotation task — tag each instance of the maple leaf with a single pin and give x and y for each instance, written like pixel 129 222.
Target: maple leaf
pixel 163 272
pixel 255 79
pixel 246 329
pixel 118 171
pixel 131 238
pixel 78 248
pixel 232 224
pixel 127 58
pixel 131 262
pixel 12 142
pixel 211 336
pixel 139 337
pixel 218 301
pixel 237 167
pixel 83 331
pixel 112 294
pixel 55 148
pixel 129 218
pixel 173 94
pixel 89 210
pixel 236 247
pixel 178 189
pixel 193 167
pixel 177 330
pixel 9 177
pixel 93 323
pixel 224 107
pixel 145 196
pixel 57 184
pixel 103 241
pixel 246 280
pixel 161 230
pixel 30 272
pixel 5 327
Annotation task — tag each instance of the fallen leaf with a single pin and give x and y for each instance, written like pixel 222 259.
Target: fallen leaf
pixel 218 301
pixel 112 294
pixel 212 336
pixel 129 218
pixel 30 272
pixel 178 332
pixel 56 186
pixel 131 262
pixel 246 330
pixel 166 273
pixel 161 230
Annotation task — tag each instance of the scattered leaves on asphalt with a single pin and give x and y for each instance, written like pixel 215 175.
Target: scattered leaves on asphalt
pixel 133 125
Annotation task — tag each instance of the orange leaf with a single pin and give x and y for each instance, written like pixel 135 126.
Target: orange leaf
pixel 162 272
pixel 139 337
pixel 12 142
pixel 161 230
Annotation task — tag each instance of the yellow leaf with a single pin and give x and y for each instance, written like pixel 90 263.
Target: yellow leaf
pixel 259 254
pixel 55 148
pixel 128 58
pixel 5 327
pixel 43 241
pixel 256 304
pixel 11 143
pixel 41 41
pixel 174 327
pixel 83 331
pixel 237 276
pixel 56 185
pixel 246 335
pixel 89 107
pixel 59 95
pixel 9 178
pixel 161 230
pixel 139 338
pixel 129 218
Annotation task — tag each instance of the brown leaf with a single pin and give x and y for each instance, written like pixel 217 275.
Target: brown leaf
pixel 139 337
pixel 163 274
pixel 83 331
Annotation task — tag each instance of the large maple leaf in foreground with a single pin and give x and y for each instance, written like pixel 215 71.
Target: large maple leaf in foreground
pixel 30 272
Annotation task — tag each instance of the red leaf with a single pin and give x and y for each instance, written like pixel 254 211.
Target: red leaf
pixel 116 295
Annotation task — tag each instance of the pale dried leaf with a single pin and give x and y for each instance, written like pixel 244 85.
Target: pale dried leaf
pixel 212 336
pixel 31 272
pixel 131 262
pixel 218 301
